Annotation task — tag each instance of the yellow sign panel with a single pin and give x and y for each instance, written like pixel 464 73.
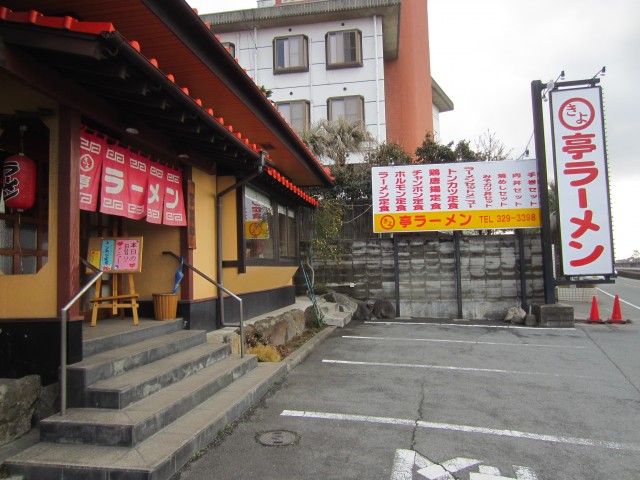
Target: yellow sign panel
pixel 456 220
pixel 256 229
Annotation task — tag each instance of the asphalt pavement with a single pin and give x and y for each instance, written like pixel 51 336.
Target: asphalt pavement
pixel 446 400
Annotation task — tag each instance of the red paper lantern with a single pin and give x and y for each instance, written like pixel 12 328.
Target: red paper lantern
pixel 19 182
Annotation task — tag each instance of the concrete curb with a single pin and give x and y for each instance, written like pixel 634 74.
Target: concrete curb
pixel 304 351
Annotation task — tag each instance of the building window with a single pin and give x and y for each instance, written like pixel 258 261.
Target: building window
pixel 287 229
pixel 231 47
pixel 258 225
pixel 344 49
pixel 350 108
pixel 297 113
pixel 273 238
pixel 290 54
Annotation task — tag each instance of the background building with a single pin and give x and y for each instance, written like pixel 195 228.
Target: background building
pixel 366 60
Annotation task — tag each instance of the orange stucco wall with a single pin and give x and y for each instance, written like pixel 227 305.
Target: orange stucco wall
pixel 33 296
pixel 408 80
pixel 204 255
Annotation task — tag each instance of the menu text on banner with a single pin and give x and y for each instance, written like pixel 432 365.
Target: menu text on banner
pixel 456 196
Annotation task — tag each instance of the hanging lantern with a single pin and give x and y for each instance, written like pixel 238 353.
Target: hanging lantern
pixel 19 182
pixel 19 179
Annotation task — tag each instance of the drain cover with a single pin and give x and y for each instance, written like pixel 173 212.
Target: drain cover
pixel 277 438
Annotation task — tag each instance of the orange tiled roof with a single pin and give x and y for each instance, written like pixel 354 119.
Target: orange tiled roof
pixel 96 28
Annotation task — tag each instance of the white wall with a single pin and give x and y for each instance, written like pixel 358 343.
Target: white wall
pixel 436 122
pixel 255 53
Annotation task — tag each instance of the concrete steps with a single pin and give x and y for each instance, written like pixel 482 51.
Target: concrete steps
pixel 123 390
pixel 109 364
pixel 135 423
pixel 160 400
pixel 111 339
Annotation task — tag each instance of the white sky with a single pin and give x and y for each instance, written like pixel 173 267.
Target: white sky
pixel 484 54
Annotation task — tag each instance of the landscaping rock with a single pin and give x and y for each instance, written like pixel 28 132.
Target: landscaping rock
pixel 516 315
pixel 310 320
pixel 18 398
pixel 233 339
pixel 278 332
pixel 282 328
pixel 336 308
pixel 47 403
pixel 299 321
pixel 383 309
pixel 344 302
pixel 363 311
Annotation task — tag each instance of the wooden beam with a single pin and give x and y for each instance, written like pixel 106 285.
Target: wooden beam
pixel 68 207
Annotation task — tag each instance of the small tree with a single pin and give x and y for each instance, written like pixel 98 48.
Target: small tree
pixel 432 151
pixel 336 139
pixel 490 149
pixel 388 154
pixel 327 224
pixel 353 181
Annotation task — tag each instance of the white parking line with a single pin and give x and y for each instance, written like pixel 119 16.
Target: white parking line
pixel 446 367
pixel 476 325
pixel 472 342
pixel 621 300
pixel 584 442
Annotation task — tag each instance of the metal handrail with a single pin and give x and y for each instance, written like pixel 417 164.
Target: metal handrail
pixel 63 335
pixel 225 290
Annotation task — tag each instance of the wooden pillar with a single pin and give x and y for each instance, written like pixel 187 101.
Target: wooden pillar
pixel 68 207
pixel 186 250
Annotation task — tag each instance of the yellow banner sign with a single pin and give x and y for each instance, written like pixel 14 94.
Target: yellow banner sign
pixel 458 220
pixel 256 229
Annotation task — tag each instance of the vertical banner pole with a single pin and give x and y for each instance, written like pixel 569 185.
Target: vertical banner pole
pixel 396 271
pixel 541 158
pixel 456 255
pixel 523 275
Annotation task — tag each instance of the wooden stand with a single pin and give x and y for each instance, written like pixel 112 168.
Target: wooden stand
pixel 116 301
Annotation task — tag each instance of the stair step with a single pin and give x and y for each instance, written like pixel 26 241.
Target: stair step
pixel 162 454
pixel 125 389
pixel 110 336
pixel 137 422
pixel 120 360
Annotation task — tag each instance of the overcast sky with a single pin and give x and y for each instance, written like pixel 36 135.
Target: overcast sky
pixel 484 54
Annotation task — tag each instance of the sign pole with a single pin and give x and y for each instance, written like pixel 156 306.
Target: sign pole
pixel 541 158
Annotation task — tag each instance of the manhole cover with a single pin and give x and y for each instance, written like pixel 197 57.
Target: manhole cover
pixel 277 438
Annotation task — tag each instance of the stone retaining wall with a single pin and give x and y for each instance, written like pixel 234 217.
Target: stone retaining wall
pixel 490 274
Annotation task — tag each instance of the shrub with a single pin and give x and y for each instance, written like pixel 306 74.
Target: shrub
pixel 254 338
pixel 265 353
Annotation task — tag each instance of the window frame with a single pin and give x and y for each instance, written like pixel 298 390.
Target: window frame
pixel 231 48
pixel 307 113
pixel 331 64
pixel 331 100
pixel 303 67
pixel 279 259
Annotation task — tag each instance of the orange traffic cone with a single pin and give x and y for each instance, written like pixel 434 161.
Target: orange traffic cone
pixel 594 316
pixel 616 315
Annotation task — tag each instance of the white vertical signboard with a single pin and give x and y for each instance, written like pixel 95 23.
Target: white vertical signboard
pixel 583 185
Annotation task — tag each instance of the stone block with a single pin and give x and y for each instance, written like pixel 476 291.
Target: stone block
pixel 18 400
pixel 555 315
pixel 384 309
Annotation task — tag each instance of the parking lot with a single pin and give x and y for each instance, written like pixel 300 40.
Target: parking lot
pixel 426 399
